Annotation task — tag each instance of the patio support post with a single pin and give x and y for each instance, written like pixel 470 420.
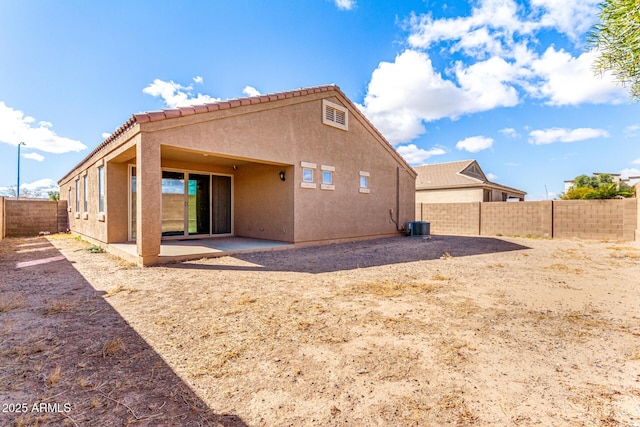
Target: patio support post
pixel 149 198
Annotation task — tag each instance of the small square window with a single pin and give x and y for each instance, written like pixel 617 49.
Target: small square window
pixel 307 175
pixel 364 182
pixel 327 177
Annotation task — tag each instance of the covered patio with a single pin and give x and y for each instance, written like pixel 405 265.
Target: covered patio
pixel 182 250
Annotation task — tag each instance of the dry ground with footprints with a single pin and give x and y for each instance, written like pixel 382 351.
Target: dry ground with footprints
pixel 391 332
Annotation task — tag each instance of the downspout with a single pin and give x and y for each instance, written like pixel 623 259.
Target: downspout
pixel 397 220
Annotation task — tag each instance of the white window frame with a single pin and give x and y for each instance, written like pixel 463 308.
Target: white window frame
pixel 77 194
pixel 327 171
pixel 85 193
pixel 305 172
pixel 101 189
pixel 307 166
pixel 331 113
pixel 364 189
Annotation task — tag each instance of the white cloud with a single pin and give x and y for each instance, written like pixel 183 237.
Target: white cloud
pixel 498 62
pixel 415 155
pixel 251 91
pixel 105 135
pixel 345 4
pixel 631 131
pixel 627 172
pixel 16 127
pixel 34 156
pixel 492 177
pixel 474 144
pixel 571 17
pixel 198 79
pixel 636 161
pixel 404 94
pixel 509 132
pixel 549 136
pixel 39 188
pixel 41 185
pixel 491 23
pixel 176 95
pixel 566 80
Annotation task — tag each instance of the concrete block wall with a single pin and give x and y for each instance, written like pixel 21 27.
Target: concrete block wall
pixel 451 218
pixel 638 213
pixel 595 219
pixel 1 218
pixel 63 216
pixel 584 219
pixel 523 219
pixel 24 218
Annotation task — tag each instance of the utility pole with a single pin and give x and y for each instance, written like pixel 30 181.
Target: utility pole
pixel 18 189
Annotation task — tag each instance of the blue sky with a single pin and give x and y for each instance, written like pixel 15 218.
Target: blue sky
pixel 505 82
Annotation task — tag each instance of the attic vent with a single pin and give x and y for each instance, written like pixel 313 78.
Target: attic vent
pixel 335 115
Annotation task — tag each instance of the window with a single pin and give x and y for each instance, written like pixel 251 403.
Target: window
pixel 101 189
pixel 327 177
pixel 335 115
pixel 307 175
pixel 78 195
pixel 85 195
pixel 364 182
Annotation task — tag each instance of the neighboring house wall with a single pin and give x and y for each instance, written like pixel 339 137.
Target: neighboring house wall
pixel 587 219
pixel 454 195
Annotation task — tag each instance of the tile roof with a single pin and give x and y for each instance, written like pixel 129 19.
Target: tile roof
pixel 449 175
pixel 170 113
pixel 444 175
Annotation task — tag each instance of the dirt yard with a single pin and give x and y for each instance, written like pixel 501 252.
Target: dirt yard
pixel 392 332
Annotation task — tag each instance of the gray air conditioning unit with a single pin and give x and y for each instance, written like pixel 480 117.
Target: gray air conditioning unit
pixel 419 228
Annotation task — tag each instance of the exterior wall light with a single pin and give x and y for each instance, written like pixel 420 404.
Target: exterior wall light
pixel 282 176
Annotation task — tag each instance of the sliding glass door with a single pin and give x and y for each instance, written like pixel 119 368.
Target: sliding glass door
pixel 199 204
pixel 221 217
pixel 173 203
pixel 193 204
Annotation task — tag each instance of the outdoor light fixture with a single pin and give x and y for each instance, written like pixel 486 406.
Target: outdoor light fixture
pixel 18 188
pixel 282 177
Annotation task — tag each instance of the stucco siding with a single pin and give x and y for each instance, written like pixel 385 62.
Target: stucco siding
pixel 453 195
pixel 253 143
pixel 263 204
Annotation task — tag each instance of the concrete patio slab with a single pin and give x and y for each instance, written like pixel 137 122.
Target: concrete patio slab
pixel 180 250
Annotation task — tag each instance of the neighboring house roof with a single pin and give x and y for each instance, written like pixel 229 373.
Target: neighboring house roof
pixel 461 174
pixel 171 113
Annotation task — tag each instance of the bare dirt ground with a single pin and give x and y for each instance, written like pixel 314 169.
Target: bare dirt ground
pixel 392 332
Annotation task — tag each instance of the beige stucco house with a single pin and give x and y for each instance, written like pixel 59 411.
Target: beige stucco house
pixel 303 167
pixel 462 181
